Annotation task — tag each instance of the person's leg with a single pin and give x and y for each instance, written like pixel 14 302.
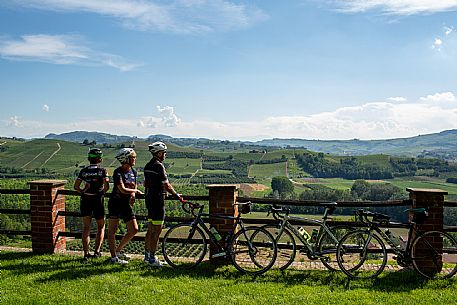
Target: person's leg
pixel 99 215
pixel 86 234
pixel 132 229
pixel 112 228
pixel 155 234
pixel 100 234
pixel 156 218
pixel 147 243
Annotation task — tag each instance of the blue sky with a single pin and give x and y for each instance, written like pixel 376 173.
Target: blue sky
pixel 238 70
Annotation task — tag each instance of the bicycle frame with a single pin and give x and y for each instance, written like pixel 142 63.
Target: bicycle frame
pixel 311 248
pixel 403 253
pixel 198 222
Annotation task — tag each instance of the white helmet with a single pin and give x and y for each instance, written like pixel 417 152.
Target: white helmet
pixel 124 154
pixel 156 147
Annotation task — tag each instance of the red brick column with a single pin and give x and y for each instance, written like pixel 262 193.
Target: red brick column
pixel 221 200
pixel 432 200
pixel 44 206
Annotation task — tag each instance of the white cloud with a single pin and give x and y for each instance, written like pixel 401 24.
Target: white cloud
pixel 14 121
pixel 373 120
pixel 446 97
pixel 437 43
pixel 397 99
pixel 45 108
pixel 59 49
pixel 396 7
pixel 179 16
pixel 448 30
pixel 168 116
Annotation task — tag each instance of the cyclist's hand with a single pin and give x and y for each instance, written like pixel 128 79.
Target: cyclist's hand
pixel 132 199
pixel 179 197
pixel 138 192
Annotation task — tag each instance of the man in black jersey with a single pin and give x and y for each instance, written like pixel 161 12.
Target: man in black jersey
pixel 92 195
pixel 156 187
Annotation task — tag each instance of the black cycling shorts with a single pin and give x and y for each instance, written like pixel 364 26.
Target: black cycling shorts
pixel 92 205
pixel 119 208
pixel 156 208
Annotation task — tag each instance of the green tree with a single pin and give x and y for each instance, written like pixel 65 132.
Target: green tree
pixel 360 189
pixel 282 185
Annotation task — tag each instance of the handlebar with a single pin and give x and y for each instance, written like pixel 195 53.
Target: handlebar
pixel 376 218
pixel 276 211
pixel 190 207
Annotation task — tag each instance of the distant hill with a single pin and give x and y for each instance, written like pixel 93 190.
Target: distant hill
pixel 80 136
pixel 442 145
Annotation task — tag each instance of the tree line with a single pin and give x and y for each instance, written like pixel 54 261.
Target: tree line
pixel 351 168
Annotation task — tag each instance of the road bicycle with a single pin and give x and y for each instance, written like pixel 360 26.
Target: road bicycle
pixel 320 245
pixel 362 254
pixel 251 250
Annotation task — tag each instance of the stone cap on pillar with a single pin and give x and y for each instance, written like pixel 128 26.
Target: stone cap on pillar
pixel 50 182
pixel 230 186
pixel 419 190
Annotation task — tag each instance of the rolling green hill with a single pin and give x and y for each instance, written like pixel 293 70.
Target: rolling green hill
pixel 191 165
pixel 443 144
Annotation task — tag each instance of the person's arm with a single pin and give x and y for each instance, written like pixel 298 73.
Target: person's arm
pixel 105 185
pixel 172 191
pixel 77 186
pixel 126 190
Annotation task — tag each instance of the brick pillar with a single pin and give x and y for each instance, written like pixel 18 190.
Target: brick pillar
pixel 44 206
pixel 221 200
pixel 433 200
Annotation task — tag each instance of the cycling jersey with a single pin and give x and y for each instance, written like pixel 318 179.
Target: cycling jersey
pixel 128 179
pixel 155 177
pixel 95 176
pixel 118 204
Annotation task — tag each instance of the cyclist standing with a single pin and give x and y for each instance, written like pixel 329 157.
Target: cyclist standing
pixel 92 199
pixel 121 202
pixel 157 185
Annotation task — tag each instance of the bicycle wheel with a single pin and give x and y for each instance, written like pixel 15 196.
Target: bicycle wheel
pixel 434 255
pixel 253 250
pixel 327 246
pixel 184 246
pixel 361 255
pixel 286 246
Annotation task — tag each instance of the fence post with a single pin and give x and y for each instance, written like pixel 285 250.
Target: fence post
pixel 221 200
pixel 45 203
pixel 433 200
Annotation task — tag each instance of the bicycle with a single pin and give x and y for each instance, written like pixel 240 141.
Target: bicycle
pixel 362 254
pixel 320 245
pixel 185 244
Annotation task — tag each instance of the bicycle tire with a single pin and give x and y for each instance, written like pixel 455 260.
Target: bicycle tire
pixel 285 244
pixel 181 250
pixel 354 257
pixel 428 259
pixel 260 257
pixel 327 245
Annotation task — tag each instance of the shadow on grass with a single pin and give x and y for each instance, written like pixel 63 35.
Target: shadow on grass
pixel 55 267
pixel 49 268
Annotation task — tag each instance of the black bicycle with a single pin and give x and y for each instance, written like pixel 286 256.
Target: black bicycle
pixel 251 250
pixel 319 245
pixel 362 254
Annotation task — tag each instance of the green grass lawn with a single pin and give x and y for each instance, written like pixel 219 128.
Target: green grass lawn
pixel 267 170
pixel 64 279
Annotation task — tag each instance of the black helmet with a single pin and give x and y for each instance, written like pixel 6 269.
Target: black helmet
pixel 95 153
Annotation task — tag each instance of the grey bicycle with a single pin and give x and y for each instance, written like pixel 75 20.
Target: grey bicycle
pixel 362 254
pixel 320 245
pixel 251 250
